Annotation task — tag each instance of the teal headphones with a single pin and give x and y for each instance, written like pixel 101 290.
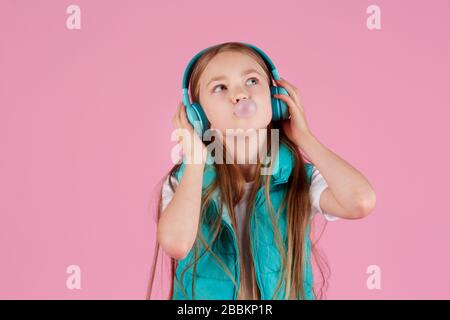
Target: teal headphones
pixel 194 110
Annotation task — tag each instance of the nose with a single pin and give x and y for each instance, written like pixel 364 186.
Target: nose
pixel 239 97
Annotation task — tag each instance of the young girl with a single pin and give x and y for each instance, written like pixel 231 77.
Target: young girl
pixel 231 232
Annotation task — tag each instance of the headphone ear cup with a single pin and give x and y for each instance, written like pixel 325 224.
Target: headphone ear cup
pixel 280 110
pixel 197 118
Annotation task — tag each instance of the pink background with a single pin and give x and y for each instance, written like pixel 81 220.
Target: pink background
pixel 85 124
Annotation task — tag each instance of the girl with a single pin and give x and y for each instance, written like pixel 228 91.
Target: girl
pixel 231 232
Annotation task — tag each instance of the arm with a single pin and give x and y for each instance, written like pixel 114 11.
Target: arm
pixel 349 195
pixel 178 224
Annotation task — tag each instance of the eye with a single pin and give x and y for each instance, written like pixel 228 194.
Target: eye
pixel 256 79
pixel 221 85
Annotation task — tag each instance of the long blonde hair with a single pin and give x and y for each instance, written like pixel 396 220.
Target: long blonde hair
pixel 230 182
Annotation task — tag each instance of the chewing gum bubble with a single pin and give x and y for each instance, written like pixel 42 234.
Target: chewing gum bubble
pixel 245 108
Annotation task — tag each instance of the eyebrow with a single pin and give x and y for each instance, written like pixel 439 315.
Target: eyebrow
pixel 245 72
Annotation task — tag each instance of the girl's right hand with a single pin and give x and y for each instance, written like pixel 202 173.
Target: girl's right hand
pixel 193 147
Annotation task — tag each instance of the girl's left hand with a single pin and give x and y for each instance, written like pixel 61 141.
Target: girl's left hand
pixel 296 127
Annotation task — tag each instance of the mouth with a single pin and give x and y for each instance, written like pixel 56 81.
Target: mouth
pixel 245 108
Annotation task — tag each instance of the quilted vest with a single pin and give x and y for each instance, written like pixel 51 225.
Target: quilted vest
pixel 211 280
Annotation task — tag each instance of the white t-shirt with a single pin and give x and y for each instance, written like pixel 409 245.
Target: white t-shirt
pixel 318 184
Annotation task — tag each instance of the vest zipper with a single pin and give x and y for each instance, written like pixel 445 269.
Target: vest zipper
pixel 236 248
pixel 238 273
pixel 252 242
pixel 255 264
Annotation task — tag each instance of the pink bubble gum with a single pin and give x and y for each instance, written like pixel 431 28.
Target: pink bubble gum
pixel 245 108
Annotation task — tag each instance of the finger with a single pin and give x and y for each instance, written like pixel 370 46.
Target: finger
pixel 185 120
pixel 292 90
pixel 293 93
pixel 178 124
pixel 183 117
pixel 289 86
pixel 293 108
pixel 179 115
pixel 174 118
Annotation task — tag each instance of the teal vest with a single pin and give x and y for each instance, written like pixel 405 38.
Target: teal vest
pixel 211 281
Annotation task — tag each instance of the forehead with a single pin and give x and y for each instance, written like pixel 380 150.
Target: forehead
pixel 228 64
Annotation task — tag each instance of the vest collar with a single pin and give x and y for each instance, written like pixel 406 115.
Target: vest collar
pixel 282 168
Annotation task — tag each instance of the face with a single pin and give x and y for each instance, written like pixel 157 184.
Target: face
pixel 228 78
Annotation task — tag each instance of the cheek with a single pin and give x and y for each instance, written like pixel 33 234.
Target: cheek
pixel 264 101
pixel 220 116
pixel 264 114
pixel 221 120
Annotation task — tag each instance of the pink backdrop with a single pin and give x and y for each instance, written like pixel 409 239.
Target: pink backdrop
pixel 85 124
